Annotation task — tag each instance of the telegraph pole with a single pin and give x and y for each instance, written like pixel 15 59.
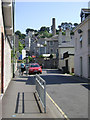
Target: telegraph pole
pixel 13 39
pixel 13 56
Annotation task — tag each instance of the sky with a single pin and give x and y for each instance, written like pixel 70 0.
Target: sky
pixel 34 15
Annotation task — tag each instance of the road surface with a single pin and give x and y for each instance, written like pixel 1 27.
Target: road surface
pixel 69 93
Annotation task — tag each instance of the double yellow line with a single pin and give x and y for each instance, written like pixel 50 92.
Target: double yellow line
pixel 58 107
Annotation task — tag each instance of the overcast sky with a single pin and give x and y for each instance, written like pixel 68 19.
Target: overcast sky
pixel 37 14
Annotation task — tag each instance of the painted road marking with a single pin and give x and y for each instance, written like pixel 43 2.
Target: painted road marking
pixel 58 107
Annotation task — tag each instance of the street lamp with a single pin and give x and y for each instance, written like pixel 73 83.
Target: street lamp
pixel 13 56
pixel 26 64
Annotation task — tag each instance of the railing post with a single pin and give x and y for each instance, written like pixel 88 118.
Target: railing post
pixel 41 90
pixel 45 97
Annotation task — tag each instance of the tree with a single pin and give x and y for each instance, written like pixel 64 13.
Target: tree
pixel 18 33
pixel 42 29
pixel 30 59
pixel 66 25
pixel 35 30
pixel 20 47
pixel 48 29
pixel 75 24
pixel 23 36
pixel 28 29
pixel 57 31
pixel 45 34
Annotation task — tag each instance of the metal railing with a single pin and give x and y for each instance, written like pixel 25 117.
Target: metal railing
pixel 41 90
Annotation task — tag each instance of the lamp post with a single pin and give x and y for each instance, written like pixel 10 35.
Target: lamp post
pixel 13 3
pixel 26 64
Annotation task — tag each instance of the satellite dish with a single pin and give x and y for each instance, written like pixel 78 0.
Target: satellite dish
pixel 80 31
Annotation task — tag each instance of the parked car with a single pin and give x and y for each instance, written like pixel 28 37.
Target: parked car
pixel 35 68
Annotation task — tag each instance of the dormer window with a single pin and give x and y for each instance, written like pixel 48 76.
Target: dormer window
pixel 84 14
pixel 83 17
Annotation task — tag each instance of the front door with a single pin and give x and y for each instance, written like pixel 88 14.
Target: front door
pixel 89 67
pixel 67 66
pixel 81 69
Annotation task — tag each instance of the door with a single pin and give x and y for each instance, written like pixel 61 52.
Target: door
pixel 67 66
pixel 81 67
pixel 89 67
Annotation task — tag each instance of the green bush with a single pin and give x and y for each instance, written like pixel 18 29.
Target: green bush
pixel 41 56
pixel 30 59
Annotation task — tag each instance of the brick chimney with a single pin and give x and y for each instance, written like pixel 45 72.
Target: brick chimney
pixel 53 27
pixel 60 36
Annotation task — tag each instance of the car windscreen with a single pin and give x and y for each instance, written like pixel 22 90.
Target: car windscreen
pixel 34 66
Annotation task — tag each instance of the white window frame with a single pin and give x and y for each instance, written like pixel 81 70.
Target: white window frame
pixel 50 43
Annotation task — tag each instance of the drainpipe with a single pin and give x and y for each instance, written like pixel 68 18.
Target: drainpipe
pixel 13 56
pixel 2 64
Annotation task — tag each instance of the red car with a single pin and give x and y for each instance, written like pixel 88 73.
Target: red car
pixel 35 68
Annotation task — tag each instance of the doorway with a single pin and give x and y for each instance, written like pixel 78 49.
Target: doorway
pixel 89 67
pixel 67 66
pixel 81 67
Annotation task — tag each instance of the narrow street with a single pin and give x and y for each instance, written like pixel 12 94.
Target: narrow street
pixel 44 59
pixel 69 93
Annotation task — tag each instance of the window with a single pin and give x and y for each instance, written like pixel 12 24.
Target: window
pixel 76 44
pixel 88 36
pixel 51 51
pixel 57 51
pixel 83 17
pixel 81 67
pixel 51 42
pixel 81 41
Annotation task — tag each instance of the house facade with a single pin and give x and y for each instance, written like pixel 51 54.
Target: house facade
pixel 6 31
pixel 52 45
pixel 66 52
pixel 82 46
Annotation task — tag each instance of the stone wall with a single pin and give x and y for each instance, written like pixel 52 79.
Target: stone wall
pixel 48 63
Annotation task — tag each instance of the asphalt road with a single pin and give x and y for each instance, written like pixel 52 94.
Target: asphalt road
pixel 69 93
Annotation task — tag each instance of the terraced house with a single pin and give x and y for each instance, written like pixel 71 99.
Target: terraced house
pixel 82 45
pixel 66 52
pixel 6 32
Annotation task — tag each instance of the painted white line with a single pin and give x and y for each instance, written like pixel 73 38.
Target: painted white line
pixel 58 107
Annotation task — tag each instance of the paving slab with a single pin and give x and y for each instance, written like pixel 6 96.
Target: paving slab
pixel 19 101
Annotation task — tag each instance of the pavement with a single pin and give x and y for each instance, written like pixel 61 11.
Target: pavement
pixel 1 106
pixel 19 101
